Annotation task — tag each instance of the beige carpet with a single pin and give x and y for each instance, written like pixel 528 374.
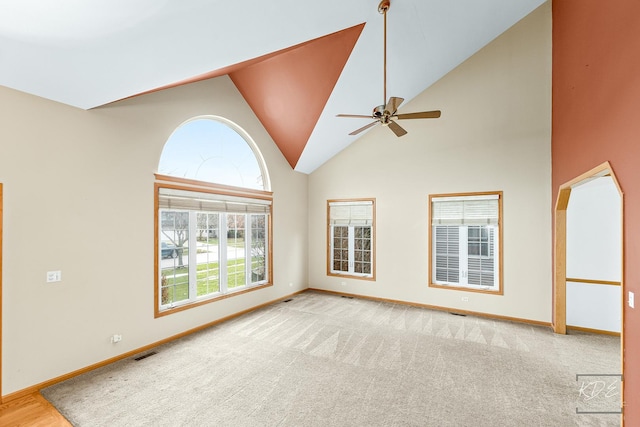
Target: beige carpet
pixel 324 360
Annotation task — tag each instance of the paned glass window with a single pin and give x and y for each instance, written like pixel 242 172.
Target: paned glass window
pixel 465 241
pixel 351 238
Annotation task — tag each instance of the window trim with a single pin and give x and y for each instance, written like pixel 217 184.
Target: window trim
pixel 168 182
pixel 500 290
pixel 373 240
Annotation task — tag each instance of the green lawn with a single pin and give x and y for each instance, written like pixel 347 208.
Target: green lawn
pixel 175 285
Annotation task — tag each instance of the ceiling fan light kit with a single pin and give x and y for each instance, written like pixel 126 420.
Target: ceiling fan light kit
pixel 385 114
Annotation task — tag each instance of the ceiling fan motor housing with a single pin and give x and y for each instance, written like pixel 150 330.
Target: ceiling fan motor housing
pixel 378 111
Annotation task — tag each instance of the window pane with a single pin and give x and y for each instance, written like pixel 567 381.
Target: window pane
pixel 484 249
pixel 481 271
pixel 235 250
pixel 481 266
pixel 210 150
pixel 340 249
pixel 474 248
pixel 258 248
pixel 362 250
pixel 208 254
pixel 447 250
pixel 362 267
pixel 474 233
pixel 174 272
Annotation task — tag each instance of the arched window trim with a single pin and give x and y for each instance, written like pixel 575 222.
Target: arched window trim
pixel 266 180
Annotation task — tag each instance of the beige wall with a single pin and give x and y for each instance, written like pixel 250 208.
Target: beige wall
pixel 78 189
pixel 494 134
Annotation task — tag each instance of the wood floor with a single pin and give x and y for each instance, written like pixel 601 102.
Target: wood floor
pixel 33 411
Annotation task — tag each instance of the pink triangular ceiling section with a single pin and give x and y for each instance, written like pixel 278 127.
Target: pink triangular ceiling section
pixel 288 90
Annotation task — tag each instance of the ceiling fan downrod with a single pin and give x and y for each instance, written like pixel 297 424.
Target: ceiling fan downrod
pixel 386 113
pixel 383 7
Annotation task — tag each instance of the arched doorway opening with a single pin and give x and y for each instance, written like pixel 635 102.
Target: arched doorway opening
pixel 559 320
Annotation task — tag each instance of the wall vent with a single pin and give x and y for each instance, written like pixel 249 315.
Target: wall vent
pixel 144 356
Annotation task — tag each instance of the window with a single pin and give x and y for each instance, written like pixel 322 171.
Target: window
pixel 211 244
pixel 213 225
pixel 466 241
pixel 213 149
pixel 351 238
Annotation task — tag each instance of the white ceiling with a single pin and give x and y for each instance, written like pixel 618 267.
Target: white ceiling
pixel 87 53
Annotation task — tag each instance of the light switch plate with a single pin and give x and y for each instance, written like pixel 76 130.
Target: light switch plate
pixel 631 299
pixel 54 276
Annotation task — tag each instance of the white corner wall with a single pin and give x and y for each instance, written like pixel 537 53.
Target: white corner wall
pixel 494 134
pixel 78 197
pixel 594 252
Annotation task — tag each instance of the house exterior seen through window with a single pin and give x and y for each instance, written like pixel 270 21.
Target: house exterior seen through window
pixel 213 216
pixel 351 229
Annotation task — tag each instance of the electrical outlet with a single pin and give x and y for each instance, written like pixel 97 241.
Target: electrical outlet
pixel 343 283
pixel 631 299
pixel 116 338
pixel 54 276
pixel 465 299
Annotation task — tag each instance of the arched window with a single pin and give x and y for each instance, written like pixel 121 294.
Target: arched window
pixel 213 215
pixel 214 150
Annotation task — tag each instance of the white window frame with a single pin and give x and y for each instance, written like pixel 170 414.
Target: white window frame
pixel 351 213
pixel 462 211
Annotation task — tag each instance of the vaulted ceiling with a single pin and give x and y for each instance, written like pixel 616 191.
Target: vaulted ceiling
pixel 296 63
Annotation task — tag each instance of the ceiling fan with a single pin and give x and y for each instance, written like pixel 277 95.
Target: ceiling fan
pixel 385 114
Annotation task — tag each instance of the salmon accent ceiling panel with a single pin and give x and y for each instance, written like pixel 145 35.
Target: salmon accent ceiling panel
pixel 288 90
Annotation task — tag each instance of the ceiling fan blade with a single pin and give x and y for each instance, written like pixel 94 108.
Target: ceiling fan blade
pixel 363 128
pixel 356 116
pixel 421 115
pixel 397 129
pixel 393 104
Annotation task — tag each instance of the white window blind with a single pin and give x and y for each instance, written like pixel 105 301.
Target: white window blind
pixel 171 198
pixel 351 213
pixel 465 210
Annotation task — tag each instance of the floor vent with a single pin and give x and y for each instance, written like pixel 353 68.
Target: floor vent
pixel 144 356
pixel 287 300
pixel 347 296
pixel 457 314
